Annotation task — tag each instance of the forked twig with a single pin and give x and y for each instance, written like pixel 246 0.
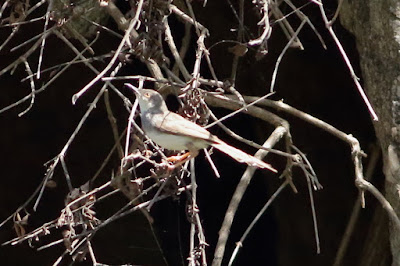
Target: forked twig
pixel 278 133
pixel 239 244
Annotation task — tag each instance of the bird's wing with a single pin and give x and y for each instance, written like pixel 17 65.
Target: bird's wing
pixel 177 125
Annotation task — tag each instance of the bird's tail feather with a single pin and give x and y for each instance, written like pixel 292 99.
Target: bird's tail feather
pixel 242 157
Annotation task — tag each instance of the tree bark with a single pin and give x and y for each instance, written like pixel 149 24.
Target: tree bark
pixel 376 26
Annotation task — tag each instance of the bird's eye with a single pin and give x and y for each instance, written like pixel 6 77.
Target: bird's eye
pixel 147 95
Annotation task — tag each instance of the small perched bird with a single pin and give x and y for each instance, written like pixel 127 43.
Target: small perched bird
pixel 173 132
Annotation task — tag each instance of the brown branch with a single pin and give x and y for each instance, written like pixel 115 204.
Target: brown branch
pixel 356 152
pixel 373 160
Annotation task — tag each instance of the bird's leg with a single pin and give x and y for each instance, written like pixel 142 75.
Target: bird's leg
pixel 177 158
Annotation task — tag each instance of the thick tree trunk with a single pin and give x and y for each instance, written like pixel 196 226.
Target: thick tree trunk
pixel 376 26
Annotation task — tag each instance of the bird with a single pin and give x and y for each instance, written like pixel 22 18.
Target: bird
pixel 173 132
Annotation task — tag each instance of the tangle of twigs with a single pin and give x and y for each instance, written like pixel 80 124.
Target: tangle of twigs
pixel 146 36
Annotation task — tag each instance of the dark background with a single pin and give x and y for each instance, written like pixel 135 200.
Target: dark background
pixel 315 81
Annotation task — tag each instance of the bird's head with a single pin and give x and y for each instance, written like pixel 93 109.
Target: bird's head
pixel 149 100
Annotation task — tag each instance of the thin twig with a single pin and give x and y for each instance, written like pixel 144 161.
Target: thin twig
pixel 91 59
pixel 113 123
pixel 239 244
pixel 171 43
pixel 120 214
pixel 66 174
pixel 232 104
pixel 267 28
pixel 213 167
pixel 3 7
pixel 374 156
pixel 192 209
pixel 42 88
pixel 240 38
pixel 33 88
pixel 127 35
pixel 249 142
pixel 38 36
pixel 278 133
pixel 186 18
pixel 44 36
pixel 91 67
pixel 310 182
pixel 278 61
pixel 21 59
pixel 184 46
pixel 22 22
pixel 302 16
pixel 63 152
pixel 348 63
pixel 13 32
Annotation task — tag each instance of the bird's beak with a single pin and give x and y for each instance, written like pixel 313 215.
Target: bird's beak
pixel 135 90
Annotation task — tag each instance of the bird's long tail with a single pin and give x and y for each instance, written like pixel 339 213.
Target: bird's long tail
pixel 241 156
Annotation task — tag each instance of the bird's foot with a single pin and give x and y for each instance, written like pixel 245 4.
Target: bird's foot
pixel 178 158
